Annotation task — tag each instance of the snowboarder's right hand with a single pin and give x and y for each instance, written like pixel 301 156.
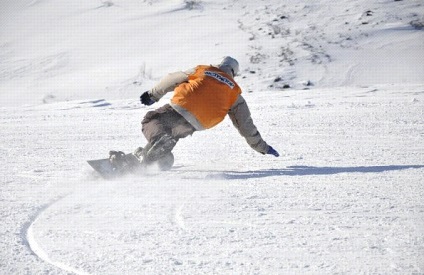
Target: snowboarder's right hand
pixel 146 99
pixel 271 151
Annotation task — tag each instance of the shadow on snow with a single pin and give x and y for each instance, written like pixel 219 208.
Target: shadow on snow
pixel 309 171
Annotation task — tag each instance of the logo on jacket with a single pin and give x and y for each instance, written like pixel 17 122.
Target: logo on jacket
pixel 220 78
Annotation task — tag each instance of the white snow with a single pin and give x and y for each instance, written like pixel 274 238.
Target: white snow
pixel 345 197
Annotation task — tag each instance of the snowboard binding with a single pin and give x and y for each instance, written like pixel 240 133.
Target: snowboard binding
pixel 123 163
pixel 119 164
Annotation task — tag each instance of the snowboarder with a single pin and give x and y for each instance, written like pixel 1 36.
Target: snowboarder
pixel 203 96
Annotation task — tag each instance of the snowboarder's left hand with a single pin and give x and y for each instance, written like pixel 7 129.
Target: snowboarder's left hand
pixel 272 151
pixel 146 99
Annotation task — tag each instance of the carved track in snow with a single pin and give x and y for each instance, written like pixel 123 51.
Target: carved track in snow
pixel 36 248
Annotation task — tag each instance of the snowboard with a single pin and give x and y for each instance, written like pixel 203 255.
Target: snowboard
pixel 128 164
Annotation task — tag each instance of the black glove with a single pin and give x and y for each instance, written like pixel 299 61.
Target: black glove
pixel 271 151
pixel 146 99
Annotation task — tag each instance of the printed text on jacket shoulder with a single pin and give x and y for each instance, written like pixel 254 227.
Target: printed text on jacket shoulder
pixel 220 78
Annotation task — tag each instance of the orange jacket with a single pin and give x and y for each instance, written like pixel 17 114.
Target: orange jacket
pixel 208 95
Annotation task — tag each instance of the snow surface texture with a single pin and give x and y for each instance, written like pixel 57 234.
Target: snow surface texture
pixel 346 197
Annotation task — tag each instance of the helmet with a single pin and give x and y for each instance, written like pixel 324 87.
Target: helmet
pixel 229 65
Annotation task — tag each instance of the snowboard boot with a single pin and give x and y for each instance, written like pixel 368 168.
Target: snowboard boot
pixel 162 147
pixel 139 153
pixel 158 153
pixel 165 163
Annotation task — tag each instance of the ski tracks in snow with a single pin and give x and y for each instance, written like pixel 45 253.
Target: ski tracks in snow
pixel 179 218
pixel 36 248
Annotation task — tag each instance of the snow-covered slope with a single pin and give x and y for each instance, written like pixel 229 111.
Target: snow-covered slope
pixel 346 196
pixel 56 50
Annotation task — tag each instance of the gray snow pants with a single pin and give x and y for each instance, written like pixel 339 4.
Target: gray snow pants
pixel 165 121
